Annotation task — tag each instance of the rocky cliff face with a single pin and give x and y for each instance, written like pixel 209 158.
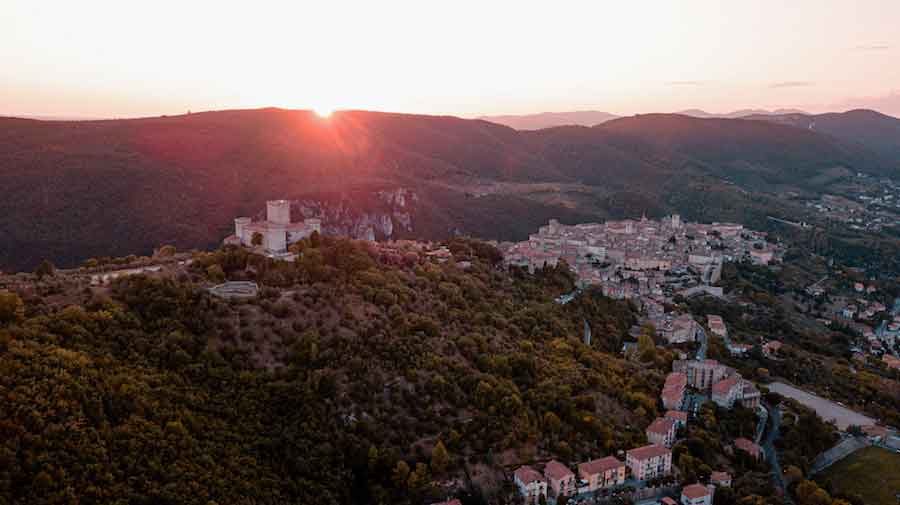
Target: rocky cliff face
pixel 378 215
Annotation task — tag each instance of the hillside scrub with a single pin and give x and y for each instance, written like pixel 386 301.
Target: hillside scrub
pixel 376 360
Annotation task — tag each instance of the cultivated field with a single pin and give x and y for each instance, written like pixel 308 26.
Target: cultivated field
pixel 872 473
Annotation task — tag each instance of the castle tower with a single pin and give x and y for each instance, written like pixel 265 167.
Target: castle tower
pixel 275 239
pixel 239 224
pixel 554 226
pixel 278 212
pixel 314 224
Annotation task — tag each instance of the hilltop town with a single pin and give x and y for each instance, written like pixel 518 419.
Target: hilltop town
pixel 635 258
pixel 650 262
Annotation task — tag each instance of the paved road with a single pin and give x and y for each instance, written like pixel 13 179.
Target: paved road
pixel 704 343
pixel 771 454
pixel 826 409
pixel 763 414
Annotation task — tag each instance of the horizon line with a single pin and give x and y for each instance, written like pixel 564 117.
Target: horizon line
pixel 751 110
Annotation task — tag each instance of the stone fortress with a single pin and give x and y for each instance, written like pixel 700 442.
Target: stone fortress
pixel 277 231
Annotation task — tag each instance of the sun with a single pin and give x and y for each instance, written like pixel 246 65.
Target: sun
pixel 323 112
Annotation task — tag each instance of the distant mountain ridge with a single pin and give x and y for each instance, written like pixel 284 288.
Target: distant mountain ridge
pixel 873 130
pixel 79 189
pixel 543 120
pixel 699 113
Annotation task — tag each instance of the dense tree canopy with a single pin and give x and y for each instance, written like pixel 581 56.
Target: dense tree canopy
pixel 359 375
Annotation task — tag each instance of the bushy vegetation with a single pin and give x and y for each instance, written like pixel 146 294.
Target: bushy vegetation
pixel 706 448
pixel 397 373
pixel 804 435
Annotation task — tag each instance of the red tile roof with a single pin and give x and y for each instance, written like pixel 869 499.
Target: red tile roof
pixel 873 430
pixel 747 446
pixel 527 475
pixel 671 397
pixel 599 465
pixel 695 491
pixel 661 426
pixel 724 386
pixel 647 452
pixel 675 379
pixel 891 361
pixel 557 471
pixel 677 415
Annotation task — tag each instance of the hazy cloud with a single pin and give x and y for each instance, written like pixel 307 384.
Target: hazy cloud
pixel 685 83
pixel 791 84
pixel 872 47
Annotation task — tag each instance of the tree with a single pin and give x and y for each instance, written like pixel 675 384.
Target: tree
pixel 373 457
pixel 257 239
pixel 45 269
pixel 809 493
pixel 440 458
pixel 400 474
pixel 11 307
pixel 215 273
pixel 419 477
pixel 552 423
pixel 792 474
pixel 646 348
pixel 298 246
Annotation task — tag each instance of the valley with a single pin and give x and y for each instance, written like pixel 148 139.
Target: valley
pixel 179 180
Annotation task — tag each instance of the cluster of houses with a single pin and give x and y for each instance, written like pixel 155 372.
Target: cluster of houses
pixel 723 384
pixel 877 323
pixel 558 480
pixel 637 258
pixel 879 341
pixel 642 464
pixel 679 329
pixel 860 309
pixel 869 210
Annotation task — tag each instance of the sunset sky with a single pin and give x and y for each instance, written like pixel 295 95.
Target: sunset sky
pixel 124 58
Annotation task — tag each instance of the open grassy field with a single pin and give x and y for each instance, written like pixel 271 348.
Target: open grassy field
pixel 872 473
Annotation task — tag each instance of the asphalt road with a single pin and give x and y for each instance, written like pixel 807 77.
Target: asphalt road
pixel 771 454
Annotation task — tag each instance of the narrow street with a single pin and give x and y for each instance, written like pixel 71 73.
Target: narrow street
pixel 704 343
pixel 771 453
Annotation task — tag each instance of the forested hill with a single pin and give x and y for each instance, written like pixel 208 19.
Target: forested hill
pixel 73 190
pixel 337 385
pixel 872 130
